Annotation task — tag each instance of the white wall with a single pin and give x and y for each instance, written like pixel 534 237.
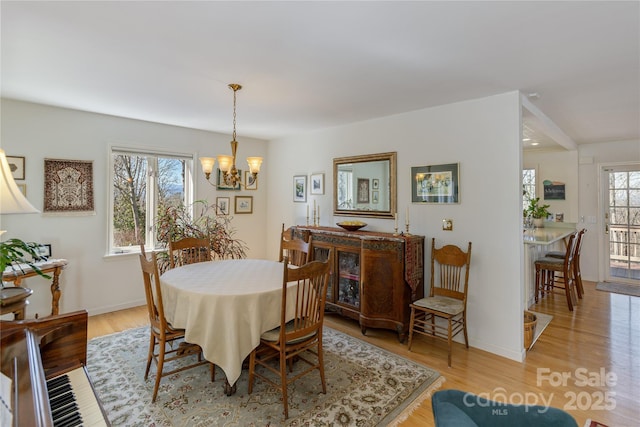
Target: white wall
pixel 561 166
pixel 92 281
pixel 482 135
pixel 591 159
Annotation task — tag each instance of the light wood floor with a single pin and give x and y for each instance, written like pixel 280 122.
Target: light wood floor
pixel 602 335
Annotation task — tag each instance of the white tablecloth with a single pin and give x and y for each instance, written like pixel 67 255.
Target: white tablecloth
pixel 224 306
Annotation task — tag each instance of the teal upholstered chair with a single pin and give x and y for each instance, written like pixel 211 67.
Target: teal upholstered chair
pixel 455 408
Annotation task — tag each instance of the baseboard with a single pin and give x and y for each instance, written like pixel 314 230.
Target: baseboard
pixel 108 309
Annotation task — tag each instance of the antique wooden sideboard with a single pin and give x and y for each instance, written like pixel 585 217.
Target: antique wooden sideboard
pixel 374 276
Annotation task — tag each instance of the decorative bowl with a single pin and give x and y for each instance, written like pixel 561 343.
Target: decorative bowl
pixel 351 227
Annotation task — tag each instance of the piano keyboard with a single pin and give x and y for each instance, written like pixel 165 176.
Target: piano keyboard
pixel 73 401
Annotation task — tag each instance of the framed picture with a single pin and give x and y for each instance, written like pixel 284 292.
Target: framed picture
pixel 375 184
pixel 375 197
pixel 250 182
pixel 435 184
pixel 16 164
pixel 222 204
pixel 23 189
pixel 221 185
pixel 244 204
pixel 553 190
pixel 363 190
pixel 317 183
pixel 68 187
pixel 44 252
pixel 300 188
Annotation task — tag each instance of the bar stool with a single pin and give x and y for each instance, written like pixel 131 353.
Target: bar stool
pixel 13 299
pixel 546 269
pixel 576 262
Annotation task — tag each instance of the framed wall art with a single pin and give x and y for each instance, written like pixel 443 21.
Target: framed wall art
pixel 43 251
pixel 16 164
pixel 316 185
pixel 68 187
pixel 23 189
pixel 244 204
pixel 221 185
pixel 250 182
pixel 553 190
pixel 300 188
pixel 435 184
pixel 222 204
pixel 363 190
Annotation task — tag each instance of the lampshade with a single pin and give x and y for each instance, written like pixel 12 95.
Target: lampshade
pixel 207 165
pixel 254 164
pixel 12 201
pixel 225 163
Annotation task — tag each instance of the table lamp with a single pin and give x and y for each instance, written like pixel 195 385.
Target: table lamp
pixel 12 201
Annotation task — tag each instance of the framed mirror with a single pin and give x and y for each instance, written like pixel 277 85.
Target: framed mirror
pixel 365 185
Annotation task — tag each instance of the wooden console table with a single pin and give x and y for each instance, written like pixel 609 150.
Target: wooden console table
pixel 375 276
pixel 53 267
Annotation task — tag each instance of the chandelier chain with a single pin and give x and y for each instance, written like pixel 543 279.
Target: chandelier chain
pixel 234 112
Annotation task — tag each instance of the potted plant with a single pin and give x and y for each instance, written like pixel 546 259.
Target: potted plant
pixel 176 222
pixel 537 211
pixel 13 252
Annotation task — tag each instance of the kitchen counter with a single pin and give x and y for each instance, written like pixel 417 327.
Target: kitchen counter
pixel 546 236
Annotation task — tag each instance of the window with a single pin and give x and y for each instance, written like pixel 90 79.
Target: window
pixel 345 189
pixel 528 186
pixel 142 183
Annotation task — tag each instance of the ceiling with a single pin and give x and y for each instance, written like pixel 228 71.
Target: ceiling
pixel 313 65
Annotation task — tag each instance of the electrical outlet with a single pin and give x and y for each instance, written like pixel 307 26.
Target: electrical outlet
pixel 447 224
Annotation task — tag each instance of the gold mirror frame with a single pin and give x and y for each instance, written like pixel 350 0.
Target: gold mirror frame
pixel 385 186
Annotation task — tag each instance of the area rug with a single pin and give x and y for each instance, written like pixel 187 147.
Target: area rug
pixel 366 386
pixel 619 288
pixel 543 321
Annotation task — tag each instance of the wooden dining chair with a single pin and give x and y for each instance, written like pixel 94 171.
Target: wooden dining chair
pixel 296 250
pixel 189 250
pixel 447 297
pixel 553 274
pixel 297 338
pixel 577 275
pixel 169 340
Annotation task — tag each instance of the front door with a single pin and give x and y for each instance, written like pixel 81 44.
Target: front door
pixel 621 195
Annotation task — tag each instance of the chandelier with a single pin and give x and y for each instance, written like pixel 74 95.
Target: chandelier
pixel 227 164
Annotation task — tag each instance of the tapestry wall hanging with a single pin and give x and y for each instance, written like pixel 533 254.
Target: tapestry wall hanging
pixel 68 187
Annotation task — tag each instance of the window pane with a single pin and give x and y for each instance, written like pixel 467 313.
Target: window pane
pixel 129 199
pixel 528 186
pixel 171 182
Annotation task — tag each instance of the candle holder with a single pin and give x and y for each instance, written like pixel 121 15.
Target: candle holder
pixel 407 230
pixel 307 219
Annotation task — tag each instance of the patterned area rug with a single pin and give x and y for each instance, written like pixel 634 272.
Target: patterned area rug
pixel 619 288
pixel 366 386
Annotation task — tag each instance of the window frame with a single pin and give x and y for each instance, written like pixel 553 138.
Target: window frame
pixel 151 202
pixel 527 197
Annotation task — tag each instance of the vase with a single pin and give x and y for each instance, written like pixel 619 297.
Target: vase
pixel 538 222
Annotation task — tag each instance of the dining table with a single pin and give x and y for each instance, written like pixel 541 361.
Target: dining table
pixel 224 306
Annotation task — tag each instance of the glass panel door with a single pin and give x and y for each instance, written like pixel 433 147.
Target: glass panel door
pixel 622 222
pixel 349 278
